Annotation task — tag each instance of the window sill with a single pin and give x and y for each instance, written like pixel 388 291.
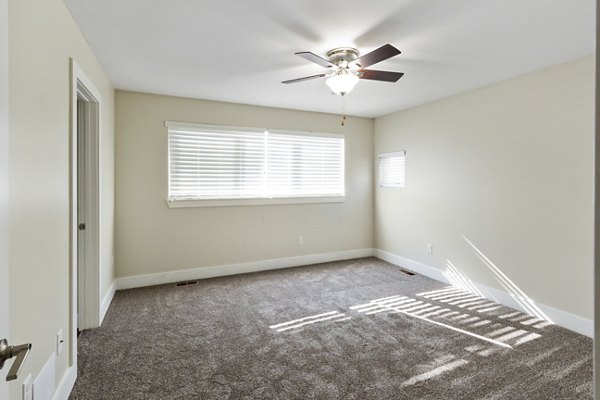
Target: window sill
pixel 254 202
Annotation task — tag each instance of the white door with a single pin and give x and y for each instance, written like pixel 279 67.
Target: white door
pixel 4 285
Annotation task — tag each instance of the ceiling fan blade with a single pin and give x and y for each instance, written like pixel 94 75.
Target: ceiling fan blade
pixel 374 75
pixel 312 57
pixel 306 78
pixel 377 55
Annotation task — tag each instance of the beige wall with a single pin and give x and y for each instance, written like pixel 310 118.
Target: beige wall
pixel 510 167
pixel 151 238
pixel 43 37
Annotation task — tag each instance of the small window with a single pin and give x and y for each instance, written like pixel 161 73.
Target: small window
pixel 392 169
pixel 215 162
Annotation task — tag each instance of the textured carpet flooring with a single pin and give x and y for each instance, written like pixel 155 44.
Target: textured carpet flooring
pixel 358 329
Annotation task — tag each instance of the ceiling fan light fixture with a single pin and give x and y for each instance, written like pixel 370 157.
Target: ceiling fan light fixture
pixel 345 67
pixel 342 83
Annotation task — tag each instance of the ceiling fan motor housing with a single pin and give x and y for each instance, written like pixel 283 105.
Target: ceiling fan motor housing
pixel 342 56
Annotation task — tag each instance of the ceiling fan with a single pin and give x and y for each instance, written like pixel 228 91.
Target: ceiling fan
pixel 346 67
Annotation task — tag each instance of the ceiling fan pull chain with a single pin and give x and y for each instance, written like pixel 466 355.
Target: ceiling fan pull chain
pixel 343 111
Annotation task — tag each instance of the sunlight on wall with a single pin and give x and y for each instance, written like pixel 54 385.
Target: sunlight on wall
pixel 515 292
pixel 458 279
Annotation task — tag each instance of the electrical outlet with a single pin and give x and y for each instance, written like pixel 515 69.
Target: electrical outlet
pixel 429 248
pixel 60 341
pixel 300 240
pixel 28 388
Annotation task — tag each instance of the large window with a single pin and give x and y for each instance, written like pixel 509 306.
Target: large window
pixel 392 169
pixel 221 163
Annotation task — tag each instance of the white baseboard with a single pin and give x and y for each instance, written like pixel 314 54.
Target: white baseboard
pixel 129 282
pixel 107 299
pixel 430 272
pixel 66 384
pixel 559 317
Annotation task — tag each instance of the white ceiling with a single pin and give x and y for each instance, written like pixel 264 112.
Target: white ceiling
pixel 240 50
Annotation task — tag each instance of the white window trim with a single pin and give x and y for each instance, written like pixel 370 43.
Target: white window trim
pixel 258 201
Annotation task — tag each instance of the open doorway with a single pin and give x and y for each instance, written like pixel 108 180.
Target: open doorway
pixel 85 206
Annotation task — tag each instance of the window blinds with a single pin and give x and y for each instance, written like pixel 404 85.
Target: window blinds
pixel 303 165
pixel 392 169
pixel 208 162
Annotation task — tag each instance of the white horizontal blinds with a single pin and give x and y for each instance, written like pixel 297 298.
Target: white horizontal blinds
pixel 392 169
pixel 207 163
pixel 304 165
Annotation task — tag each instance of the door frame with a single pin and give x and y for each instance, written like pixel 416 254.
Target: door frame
pixel 4 195
pixel 83 88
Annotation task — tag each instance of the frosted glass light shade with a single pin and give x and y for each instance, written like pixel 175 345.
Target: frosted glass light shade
pixel 342 83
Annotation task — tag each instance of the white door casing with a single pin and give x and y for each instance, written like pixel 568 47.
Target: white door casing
pixel 88 296
pixel 4 140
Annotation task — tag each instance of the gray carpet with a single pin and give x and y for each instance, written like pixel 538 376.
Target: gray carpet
pixel 357 329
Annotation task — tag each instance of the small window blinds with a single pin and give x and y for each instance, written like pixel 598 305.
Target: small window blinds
pixel 392 169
